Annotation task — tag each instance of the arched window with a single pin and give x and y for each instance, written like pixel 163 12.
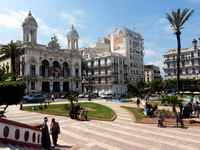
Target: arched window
pixel 31 36
pixel 65 70
pixel 45 68
pixel 56 69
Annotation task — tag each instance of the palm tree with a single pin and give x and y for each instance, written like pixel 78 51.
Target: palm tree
pixel 12 50
pixel 4 76
pixel 177 19
pixel 72 98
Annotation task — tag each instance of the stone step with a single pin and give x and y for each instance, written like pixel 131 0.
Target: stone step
pixel 15 147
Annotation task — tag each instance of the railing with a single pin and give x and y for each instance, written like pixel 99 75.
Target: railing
pixel 20 134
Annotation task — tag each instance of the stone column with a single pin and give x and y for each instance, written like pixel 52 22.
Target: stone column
pixel 61 87
pixel 51 86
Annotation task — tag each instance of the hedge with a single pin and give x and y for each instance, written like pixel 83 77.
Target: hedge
pixel 11 92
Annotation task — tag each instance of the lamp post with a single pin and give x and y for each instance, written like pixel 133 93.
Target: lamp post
pixel 89 79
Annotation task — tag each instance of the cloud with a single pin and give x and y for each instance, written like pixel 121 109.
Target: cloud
pixel 75 18
pixel 149 53
pixel 194 1
pixel 167 29
pixel 12 19
pixel 85 41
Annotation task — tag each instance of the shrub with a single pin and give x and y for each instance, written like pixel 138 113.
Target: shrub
pixel 11 92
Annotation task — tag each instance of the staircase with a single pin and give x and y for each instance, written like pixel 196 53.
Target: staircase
pixel 16 147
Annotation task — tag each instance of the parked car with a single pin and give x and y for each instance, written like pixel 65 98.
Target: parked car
pixel 82 95
pixel 27 97
pixel 86 95
pixel 36 98
pixel 106 96
pixel 93 95
pixel 124 95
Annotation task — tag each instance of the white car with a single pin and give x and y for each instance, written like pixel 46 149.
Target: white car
pixel 106 96
pixel 82 95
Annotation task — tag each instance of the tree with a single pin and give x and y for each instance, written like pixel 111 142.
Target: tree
pixel 173 101
pixel 12 50
pixel 137 89
pixel 177 19
pixel 4 76
pixel 72 98
pixel 16 88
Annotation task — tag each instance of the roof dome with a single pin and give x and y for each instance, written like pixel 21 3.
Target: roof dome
pixel 30 20
pixel 72 33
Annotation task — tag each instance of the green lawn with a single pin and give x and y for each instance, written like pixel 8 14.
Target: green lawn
pixel 138 113
pixel 94 110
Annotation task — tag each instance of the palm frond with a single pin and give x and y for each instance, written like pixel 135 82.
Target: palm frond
pixel 178 18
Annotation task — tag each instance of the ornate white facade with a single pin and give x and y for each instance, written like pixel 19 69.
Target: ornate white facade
pixel 47 68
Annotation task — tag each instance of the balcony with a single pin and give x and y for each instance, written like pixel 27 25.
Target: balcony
pixel 33 76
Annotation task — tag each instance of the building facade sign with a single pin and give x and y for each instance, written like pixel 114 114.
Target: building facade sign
pixel 119 40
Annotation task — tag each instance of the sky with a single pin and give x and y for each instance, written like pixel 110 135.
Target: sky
pixel 98 18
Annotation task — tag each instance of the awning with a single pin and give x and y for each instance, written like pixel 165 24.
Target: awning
pixel 196 92
pixel 187 92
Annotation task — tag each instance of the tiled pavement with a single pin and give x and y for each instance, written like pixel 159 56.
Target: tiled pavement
pixel 120 134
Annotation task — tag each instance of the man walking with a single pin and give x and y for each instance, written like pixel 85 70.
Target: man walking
pixel 52 97
pixel 138 103
pixel 55 130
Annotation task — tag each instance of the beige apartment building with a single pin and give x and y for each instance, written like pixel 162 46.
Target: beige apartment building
pixel 115 62
pixel 189 63
pixel 152 73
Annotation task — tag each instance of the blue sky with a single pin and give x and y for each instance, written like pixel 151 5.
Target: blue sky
pixel 98 18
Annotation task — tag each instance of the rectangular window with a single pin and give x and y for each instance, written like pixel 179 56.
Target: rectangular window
pixel 76 72
pixel 32 85
pixel 32 70
pixel 192 61
pixel 130 50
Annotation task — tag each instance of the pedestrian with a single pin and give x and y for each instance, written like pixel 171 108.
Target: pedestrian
pixel 138 103
pixel 55 130
pixel 160 119
pixel 46 142
pixel 52 97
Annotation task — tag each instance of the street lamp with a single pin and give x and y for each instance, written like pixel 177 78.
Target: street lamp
pixel 89 79
pixel 194 42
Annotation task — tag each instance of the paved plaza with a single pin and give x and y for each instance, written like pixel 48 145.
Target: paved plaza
pixel 120 134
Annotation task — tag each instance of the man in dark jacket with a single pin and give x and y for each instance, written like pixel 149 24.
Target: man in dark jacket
pixel 46 142
pixel 55 130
